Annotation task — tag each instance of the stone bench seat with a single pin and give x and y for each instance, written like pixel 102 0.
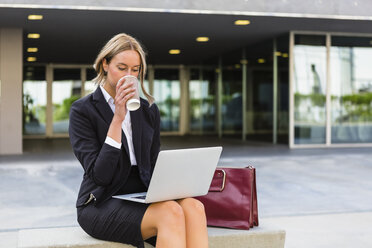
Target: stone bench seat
pixel 258 237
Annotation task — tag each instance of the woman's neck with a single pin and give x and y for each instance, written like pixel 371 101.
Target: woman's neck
pixel 112 91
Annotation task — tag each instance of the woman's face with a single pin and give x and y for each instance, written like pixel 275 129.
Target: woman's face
pixel 124 63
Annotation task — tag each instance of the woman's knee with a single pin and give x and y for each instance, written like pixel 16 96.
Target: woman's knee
pixel 192 205
pixel 171 213
pixel 164 216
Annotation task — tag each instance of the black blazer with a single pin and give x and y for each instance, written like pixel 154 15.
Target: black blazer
pixel 106 168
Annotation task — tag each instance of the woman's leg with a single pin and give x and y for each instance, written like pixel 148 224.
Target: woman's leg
pixel 196 223
pixel 179 223
pixel 167 221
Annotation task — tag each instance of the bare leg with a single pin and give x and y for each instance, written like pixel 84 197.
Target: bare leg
pixel 167 221
pixel 196 223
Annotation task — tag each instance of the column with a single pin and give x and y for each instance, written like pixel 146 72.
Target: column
pixel 219 99
pixel 49 108
pixel 184 101
pixel 244 94
pixel 275 94
pixel 11 82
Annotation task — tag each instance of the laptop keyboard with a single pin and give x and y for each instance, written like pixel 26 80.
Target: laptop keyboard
pixel 140 197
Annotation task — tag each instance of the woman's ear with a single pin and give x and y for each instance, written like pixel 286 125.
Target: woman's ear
pixel 105 65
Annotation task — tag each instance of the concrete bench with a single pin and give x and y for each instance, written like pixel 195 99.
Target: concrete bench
pixel 258 237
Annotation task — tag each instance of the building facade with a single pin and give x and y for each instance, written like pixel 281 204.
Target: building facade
pixel 288 72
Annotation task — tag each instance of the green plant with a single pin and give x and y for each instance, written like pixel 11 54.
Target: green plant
pixel 61 111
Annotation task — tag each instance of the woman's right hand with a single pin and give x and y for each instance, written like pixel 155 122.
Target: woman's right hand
pixel 124 92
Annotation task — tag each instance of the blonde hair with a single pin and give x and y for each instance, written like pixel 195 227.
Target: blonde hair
pixel 117 44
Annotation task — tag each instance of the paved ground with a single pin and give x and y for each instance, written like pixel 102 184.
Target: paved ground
pixel 321 197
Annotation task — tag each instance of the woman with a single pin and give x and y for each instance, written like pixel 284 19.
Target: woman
pixel 118 150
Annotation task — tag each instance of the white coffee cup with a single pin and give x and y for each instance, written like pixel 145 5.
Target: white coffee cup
pixel 133 103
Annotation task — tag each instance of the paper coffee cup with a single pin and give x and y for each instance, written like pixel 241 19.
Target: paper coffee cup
pixel 133 103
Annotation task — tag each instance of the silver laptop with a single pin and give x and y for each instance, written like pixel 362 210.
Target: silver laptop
pixel 179 174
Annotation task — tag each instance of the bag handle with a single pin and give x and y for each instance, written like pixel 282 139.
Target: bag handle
pixel 218 181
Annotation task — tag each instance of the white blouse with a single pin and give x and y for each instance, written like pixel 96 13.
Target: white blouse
pixel 126 126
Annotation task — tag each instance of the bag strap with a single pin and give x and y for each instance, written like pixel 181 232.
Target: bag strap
pixel 218 181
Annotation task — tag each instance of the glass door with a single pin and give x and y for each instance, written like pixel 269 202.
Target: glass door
pixel 202 92
pixel 66 88
pixel 309 86
pixel 34 100
pixel 351 90
pixel 167 95
pixel 232 100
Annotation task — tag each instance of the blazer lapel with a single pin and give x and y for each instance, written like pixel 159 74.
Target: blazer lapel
pixel 102 106
pixel 136 120
pixel 105 110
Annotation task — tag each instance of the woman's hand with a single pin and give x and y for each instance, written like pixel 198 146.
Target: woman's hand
pixel 124 92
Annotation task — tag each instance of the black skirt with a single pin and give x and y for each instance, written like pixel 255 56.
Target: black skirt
pixel 117 220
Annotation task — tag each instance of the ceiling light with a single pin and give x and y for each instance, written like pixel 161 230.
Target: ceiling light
pixel 278 54
pixel 243 61
pixel 237 66
pixel 285 55
pixel 35 17
pixel 33 36
pixel 202 39
pixel 32 49
pixel 31 59
pixel 174 51
pixel 242 22
pixel 261 61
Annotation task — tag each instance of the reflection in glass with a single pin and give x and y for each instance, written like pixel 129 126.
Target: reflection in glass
pixel 167 97
pixel 66 89
pixel 90 86
pixel 283 88
pixel 259 90
pixel 34 101
pixel 351 94
pixel 283 104
pixel 262 98
pixel 232 100
pixel 310 90
pixel 202 100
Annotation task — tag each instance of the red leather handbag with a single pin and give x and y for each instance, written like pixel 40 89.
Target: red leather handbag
pixel 232 198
